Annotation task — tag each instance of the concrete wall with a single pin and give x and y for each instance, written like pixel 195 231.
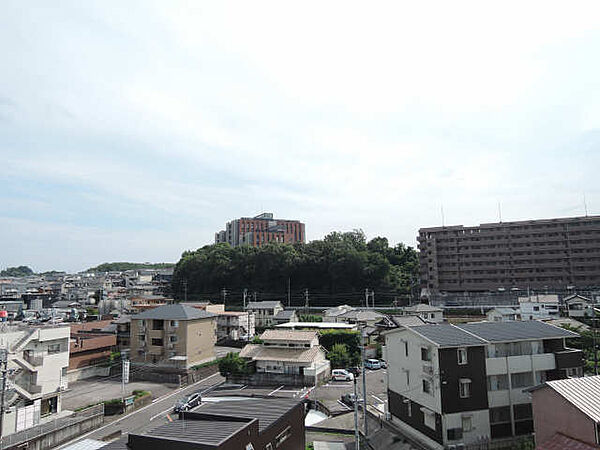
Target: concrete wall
pixel 87 372
pixel 552 413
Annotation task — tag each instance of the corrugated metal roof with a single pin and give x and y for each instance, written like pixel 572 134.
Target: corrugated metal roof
pixel 174 312
pixel 260 353
pixel 209 432
pixel 446 335
pixel 515 331
pixel 583 393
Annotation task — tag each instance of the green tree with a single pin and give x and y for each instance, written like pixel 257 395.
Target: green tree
pixel 21 271
pixel 339 356
pixel 232 364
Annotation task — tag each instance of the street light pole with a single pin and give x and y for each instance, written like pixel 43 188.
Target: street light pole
pixel 356 433
pixel 364 378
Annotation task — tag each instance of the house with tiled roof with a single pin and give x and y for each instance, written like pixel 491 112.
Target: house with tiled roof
pixel 287 357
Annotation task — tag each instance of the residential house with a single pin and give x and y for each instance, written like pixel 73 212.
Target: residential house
pixel 38 358
pixel 240 423
pixel 567 408
pixel 316 326
pixel 235 325
pixel 331 314
pixel 578 306
pixel 361 317
pixel 285 316
pixel 123 324
pixel 173 335
pixel 288 357
pixel 502 315
pixel 87 349
pixel 425 311
pixel 539 306
pixel 464 384
pixel 264 312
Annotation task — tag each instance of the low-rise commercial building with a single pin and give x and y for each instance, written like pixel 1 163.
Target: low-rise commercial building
pixel 466 384
pixel 240 423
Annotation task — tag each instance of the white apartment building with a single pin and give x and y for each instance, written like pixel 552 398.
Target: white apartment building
pixel 264 312
pixel 539 306
pixel 38 358
pixel 235 325
pixel 466 384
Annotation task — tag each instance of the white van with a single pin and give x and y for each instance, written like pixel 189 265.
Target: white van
pixel 372 364
pixel 341 375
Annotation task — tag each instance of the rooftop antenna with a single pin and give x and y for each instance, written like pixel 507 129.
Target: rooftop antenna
pixel 443 222
pixel 499 213
pixel 585 205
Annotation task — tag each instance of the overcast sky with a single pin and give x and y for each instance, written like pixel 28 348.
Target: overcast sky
pixel 132 131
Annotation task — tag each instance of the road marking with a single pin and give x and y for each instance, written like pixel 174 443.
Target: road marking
pixel 243 387
pixel 377 398
pixel 344 405
pixel 164 397
pixel 160 414
pixel 277 390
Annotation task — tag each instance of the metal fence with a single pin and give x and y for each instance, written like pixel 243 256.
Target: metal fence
pixel 43 429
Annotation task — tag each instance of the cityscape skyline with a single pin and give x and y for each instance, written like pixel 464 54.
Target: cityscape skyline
pixel 131 133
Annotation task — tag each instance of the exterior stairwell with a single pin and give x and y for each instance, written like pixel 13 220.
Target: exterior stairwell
pixel 17 346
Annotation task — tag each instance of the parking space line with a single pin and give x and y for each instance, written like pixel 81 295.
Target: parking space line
pixel 160 414
pixel 277 390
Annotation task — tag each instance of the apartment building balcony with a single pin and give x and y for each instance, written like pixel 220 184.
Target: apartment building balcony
pixel 506 397
pixel 523 363
pixel 569 357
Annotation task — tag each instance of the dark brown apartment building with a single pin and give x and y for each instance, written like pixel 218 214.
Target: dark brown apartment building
pixel 554 254
pixel 261 229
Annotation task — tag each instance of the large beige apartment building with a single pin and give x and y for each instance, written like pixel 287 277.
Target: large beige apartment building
pixel 177 336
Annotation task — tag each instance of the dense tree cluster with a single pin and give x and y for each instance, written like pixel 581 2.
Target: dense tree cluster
pixel 336 269
pixel 21 271
pixel 123 266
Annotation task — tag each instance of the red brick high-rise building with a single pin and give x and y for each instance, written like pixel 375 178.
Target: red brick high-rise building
pixel 261 229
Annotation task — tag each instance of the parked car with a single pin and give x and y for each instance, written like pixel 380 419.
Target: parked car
pixel 372 364
pixel 354 371
pixel 383 364
pixel 341 375
pixel 349 399
pixel 187 403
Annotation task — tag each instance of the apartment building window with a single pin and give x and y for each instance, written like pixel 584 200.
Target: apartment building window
pixel 462 356
pixel 521 379
pixel 157 342
pixel 174 323
pixel 429 418
pixel 158 325
pixel 574 372
pixel 407 378
pixel 467 423
pixel 408 407
pixel 53 349
pixel 425 354
pixel 500 415
pixel 464 388
pixel 427 386
pixel 172 338
pixel 497 382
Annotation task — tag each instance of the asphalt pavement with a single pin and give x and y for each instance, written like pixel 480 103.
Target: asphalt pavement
pixel 149 416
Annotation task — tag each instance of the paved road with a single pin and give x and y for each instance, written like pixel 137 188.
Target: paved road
pixel 149 416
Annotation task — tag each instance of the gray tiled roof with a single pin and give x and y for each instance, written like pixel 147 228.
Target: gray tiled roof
pixel 264 305
pixel 174 312
pixel 515 331
pixel 446 335
pixel 285 314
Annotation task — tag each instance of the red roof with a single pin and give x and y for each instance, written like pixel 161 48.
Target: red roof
pixel 562 442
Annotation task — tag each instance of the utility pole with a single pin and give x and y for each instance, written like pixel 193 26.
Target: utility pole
pixel 4 363
pixel 306 301
pixel 185 290
pixel 366 297
pixel 224 293
pixel 244 297
pixel 364 378
pixel 373 299
pixel 289 294
pixel 356 432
